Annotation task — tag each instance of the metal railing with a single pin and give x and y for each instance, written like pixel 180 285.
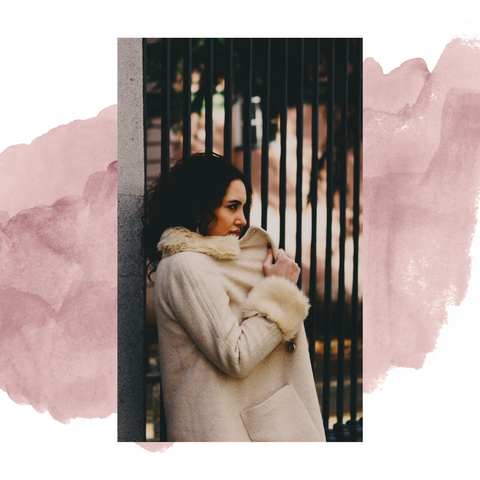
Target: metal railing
pixel 286 74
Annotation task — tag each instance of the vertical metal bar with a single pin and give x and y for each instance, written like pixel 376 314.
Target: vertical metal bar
pixel 144 266
pixel 144 276
pixel 228 94
pixel 283 150
pixel 328 240
pixel 187 98
pixel 314 199
pixel 341 432
pixel 247 111
pixel 165 148
pixel 353 423
pixel 209 95
pixel 165 158
pixel 165 161
pixel 298 188
pixel 265 133
pixel 131 286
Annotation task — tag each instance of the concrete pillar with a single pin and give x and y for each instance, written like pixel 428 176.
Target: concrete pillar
pixel 131 280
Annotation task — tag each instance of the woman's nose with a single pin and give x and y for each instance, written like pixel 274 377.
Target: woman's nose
pixel 241 221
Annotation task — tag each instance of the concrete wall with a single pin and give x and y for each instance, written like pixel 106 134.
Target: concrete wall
pixel 131 283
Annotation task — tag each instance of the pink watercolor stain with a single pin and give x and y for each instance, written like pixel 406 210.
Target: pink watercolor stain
pixel 421 182
pixel 155 446
pixel 58 298
pixel 57 163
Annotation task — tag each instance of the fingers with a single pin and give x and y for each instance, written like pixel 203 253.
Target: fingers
pixel 283 266
pixel 283 258
pixel 269 257
pixel 294 272
pixel 267 264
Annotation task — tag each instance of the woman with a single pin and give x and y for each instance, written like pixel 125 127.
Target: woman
pixel 233 353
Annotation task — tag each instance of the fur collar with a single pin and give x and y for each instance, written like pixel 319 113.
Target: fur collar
pixel 180 239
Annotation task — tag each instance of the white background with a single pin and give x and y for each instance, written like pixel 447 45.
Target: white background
pixel 59 65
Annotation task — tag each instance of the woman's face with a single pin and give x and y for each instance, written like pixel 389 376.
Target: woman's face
pixel 230 213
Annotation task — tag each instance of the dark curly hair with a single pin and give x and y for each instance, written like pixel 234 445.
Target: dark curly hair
pixel 192 190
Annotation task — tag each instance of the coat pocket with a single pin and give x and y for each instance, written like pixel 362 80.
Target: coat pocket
pixel 280 418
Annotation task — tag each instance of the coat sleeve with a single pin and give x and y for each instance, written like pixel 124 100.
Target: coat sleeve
pixel 274 310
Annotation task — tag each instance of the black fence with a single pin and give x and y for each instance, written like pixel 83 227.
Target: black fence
pixel 260 83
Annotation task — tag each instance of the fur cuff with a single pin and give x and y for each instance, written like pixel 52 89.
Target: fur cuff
pixel 279 300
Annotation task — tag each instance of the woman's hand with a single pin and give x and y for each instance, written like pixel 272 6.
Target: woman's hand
pixel 283 267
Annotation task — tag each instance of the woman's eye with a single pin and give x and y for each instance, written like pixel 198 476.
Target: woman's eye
pixel 232 207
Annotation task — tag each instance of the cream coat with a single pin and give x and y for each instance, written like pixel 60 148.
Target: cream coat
pixel 225 340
